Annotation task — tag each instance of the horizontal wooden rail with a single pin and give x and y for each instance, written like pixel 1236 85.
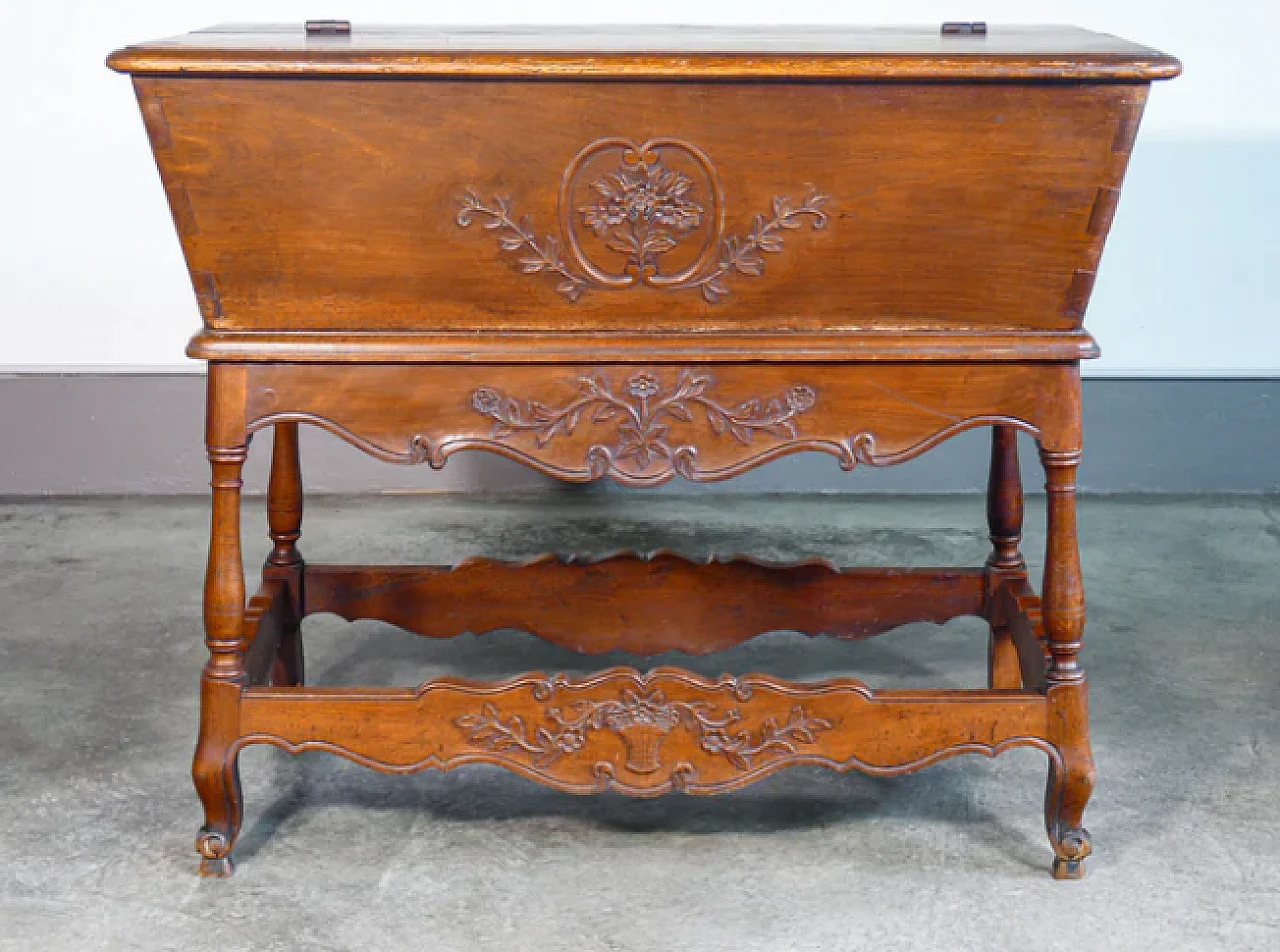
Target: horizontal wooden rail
pixel 643 605
pixel 643 734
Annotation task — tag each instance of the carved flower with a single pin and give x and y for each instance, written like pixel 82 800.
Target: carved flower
pixel 643 386
pixel 636 711
pixel 572 740
pixel 801 398
pixel 645 192
pixel 642 211
pixel 486 400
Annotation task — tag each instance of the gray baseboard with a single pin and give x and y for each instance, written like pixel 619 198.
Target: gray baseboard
pixel 83 433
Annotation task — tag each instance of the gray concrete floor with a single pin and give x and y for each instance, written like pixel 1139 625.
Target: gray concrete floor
pixel 100 647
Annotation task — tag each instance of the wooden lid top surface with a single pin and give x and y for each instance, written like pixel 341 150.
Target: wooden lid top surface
pixel 1062 53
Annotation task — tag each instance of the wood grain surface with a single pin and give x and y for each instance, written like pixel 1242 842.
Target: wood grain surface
pixel 644 605
pixel 644 734
pixel 338 205
pixel 644 425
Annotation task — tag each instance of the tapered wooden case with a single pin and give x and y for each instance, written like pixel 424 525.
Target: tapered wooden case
pixel 874 181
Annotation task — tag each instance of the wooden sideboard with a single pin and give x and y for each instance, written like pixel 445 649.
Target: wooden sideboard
pixel 638 254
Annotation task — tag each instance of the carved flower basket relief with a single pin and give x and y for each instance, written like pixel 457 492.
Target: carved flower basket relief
pixel 641 720
pixel 649 214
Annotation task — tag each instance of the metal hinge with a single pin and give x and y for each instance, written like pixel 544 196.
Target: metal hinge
pixel 328 28
pixel 964 28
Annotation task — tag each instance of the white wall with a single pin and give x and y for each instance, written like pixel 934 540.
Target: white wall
pixel 91 276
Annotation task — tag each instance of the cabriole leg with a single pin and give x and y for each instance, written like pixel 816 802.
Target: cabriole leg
pixel 1071 773
pixel 1004 520
pixel 214 768
pixel 284 516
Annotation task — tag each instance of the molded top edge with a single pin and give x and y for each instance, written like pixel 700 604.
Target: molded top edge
pixel 760 52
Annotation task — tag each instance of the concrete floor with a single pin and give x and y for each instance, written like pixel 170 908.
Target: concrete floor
pixel 100 647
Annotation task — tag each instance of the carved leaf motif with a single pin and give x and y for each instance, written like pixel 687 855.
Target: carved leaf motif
pixel 641 721
pixel 657 244
pixel 697 386
pixel 628 245
pixel 713 290
pixel 642 211
pixel 571 422
pixel 645 411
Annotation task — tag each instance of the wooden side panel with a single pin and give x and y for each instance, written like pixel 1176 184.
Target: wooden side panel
pixel 640 605
pixel 1016 607
pixel 267 619
pixel 642 425
pixel 436 205
pixel 644 734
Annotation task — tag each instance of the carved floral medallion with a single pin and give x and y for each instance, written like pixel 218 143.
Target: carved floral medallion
pixel 642 415
pixel 642 721
pixel 650 213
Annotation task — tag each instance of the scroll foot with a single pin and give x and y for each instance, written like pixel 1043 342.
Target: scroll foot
pixel 217 868
pixel 1072 848
pixel 215 854
pixel 217 778
pixel 1067 792
pixel 1068 868
pixel 1071 851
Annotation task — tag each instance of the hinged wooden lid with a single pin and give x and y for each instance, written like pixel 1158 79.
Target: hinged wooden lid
pixel 1060 53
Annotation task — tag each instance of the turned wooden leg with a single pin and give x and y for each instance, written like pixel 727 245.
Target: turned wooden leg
pixel 1004 519
pixel 284 516
pixel 214 768
pixel 1071 772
